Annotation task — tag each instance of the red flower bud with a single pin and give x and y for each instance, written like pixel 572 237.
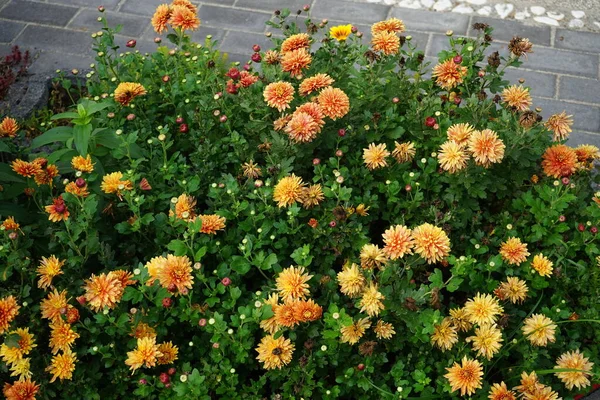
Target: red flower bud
pixel 481 74
pixel 223 118
pixel 316 161
pixel 306 7
pixel 332 224
pixel 430 122
pixel 256 57
pixel 202 322
pixel 353 29
pixel 339 153
pixel 130 117
pixel 179 120
pixel 395 100
pixel 166 78
pixel 81 300
pixel 562 218
pixel 594 230
pixel 143 381
pixel 168 385
pixel 13 235
pixel 360 367
pixel 101 8
pixel 581 227
pixel 256 48
pixel 80 182
pixel 342 132
pixel 408 188
pixel 171 371
pixel 157 40
pixel 164 378
pixel 226 281
pixel 233 73
pixel 183 128
pixel 172 288
pixel 167 302
pixel 216 345
pixel 131 43
pixel 457 100
pixel 565 180
pixel 258 183
pixel 457 59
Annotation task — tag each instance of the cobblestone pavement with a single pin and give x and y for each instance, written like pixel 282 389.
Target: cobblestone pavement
pixel 563 71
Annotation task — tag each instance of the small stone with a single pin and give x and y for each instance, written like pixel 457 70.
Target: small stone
pixel 576 23
pixel 428 3
pixel 477 2
pixel 537 10
pixel 504 10
pixel 556 16
pixel 546 20
pixel 442 5
pixel 522 15
pixel 462 9
pixel 578 14
pixel 597 24
pixel 485 11
pixel 389 2
pixel 414 4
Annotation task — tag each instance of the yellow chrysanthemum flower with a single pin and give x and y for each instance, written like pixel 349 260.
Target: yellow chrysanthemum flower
pixel 539 330
pixel 465 377
pixel 513 251
pixel 351 280
pixel 146 354
pixel 291 283
pixel 576 361
pixel 371 301
pixel 384 330
pixel 352 333
pixel 62 366
pixel 62 336
pixel 486 341
pixel 542 265
pixel 49 268
pixel 444 335
pixel 372 256
pixel 288 191
pixel 483 309
pixel 431 243
pixel 275 353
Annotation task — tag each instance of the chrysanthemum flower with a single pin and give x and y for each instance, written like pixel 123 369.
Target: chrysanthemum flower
pixel 295 42
pixel 280 123
pixel 251 170
pixel 431 243
pixel 499 391
pixel 9 127
pixel 22 369
pixel 145 354
pixel 560 125
pixel 211 223
pixel 161 17
pixel 307 310
pixel 291 283
pixel 372 256
pixel 460 319
pixel 49 268
pixel 183 18
pixel 352 333
pixel 514 289
pixel 124 277
pixel 542 393
pixel 176 272
pixel 114 183
pixel 404 152
pixel 340 32
pixel 371 301
pixel 393 25
pixel 274 353
pixel 302 128
pixel 279 95
pixel 384 330
pixel 361 210
pixel 9 224
pixel 247 79
pixel 270 325
pixel 559 161
pixel 169 353
pixel 288 191
pixel 82 164
pixel 142 330
pixel 576 361
pixel 449 74
pixel 539 330
pixel 517 97
pixel 542 265
pixel 62 336
pixel 75 190
pixel 272 57
pixel 351 280
pixel 587 152
pixel 46 175
pixel 374 156
pixel 483 309
pixel 314 110
pixel 285 314
pixel 127 91
pixel 513 251
pixel 460 133
pixel 153 266
pixel 487 148
pixel 104 290
pixel 519 46
pixel 62 366
pixel 486 341
pixel 9 309
pixel 54 305
pixel 529 383
pixel 444 335
pixel 398 242
pixel 21 390
pixel 26 169
pixel 25 344
pixel 314 83
pixel 295 61
pixel 452 157
pixel 312 196
pixel 334 102
pixel 465 377
pixel 186 3
pixel 184 208
pixel 386 42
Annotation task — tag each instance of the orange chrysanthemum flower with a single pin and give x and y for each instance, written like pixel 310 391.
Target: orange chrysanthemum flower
pixel 274 353
pixel 431 243
pixel 279 95
pixel 82 164
pixel 75 190
pixel 514 289
pixel 444 335
pixel 272 57
pixel 62 336
pixel 9 224
pixel 517 97
pixel 114 183
pixel 161 17
pixel 334 102
pixel 247 79
pixel 54 305
pixel 384 330
pixel 393 25
pixel 146 354
pixel 307 310
pixel 465 377
pixel 460 133
pixel 499 391
pixel 124 277
pixel 281 123
pixel 374 156
pixel 295 42
pixel 587 152
pixel 302 128
pixel 46 175
pixel 24 345
pixel 574 360
pixel 26 169
pixel 398 242
pixel 404 152
pixel 143 330
pixel 176 274
pixel 21 390
pixel 487 148
pixel 529 383
pixel 49 268
pixel 386 42
pixel 212 223
pixel 127 91
pixel 559 160
pixel 312 196
pixel 482 309
pixel 9 127
pixel 487 340
pixel 314 110
pixel 62 366
pixel 295 61
pixel 352 333
pixel 184 208
pixel 185 3
pixel 270 325
pixel 513 251
pixel 58 210
pixel 449 74
pixel 539 330
pixel 560 125
pixel 169 353
pixel 291 283
pixel 542 265
pixel 452 157
pixel 183 18
pixel 285 314
pixel 104 290
pixel 288 191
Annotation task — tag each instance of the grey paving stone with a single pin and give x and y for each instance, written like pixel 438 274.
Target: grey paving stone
pixel 586 90
pixel 48 62
pixel 230 18
pixel 55 40
pixel 505 30
pixel 272 5
pixel 143 46
pixel 108 4
pixel 200 35
pixel 132 25
pixel 578 138
pixel 349 12
pixel 429 21
pixel 9 30
pixel 28 11
pixel 242 42
pixel 586 118
pixel 233 57
pixel 540 84
pixel 567 62
pixel 143 7
pixel 573 40
pixel 220 2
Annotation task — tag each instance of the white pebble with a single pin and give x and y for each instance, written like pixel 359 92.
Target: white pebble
pixel 522 15
pixel 414 4
pixel 576 23
pixel 537 10
pixel 556 16
pixel 442 5
pixel 546 20
pixel 462 9
pixel 477 2
pixel 504 10
pixel 578 14
pixel 485 11
pixel 428 3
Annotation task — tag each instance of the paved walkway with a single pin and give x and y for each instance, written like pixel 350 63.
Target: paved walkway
pixel 563 71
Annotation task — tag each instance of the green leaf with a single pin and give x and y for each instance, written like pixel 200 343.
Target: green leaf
pixel 65 115
pixel 58 134
pixel 269 261
pixel 436 278
pixel 396 132
pixel 82 134
pixel 178 247
pixel 8 175
pixel 107 138
pixel 4 147
pixel 12 340
pixel 200 253
pixel 93 107
pixel 454 284
pixel 240 265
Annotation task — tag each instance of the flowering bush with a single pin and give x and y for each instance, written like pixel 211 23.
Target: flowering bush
pixel 325 222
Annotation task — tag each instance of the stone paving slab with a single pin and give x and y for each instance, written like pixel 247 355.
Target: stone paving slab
pixel 563 71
